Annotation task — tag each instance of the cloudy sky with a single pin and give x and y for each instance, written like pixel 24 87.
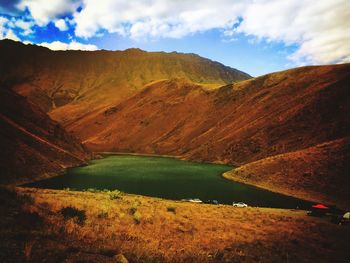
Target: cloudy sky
pixel 256 36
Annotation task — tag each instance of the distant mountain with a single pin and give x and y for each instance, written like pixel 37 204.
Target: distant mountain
pixel 32 145
pixel 68 84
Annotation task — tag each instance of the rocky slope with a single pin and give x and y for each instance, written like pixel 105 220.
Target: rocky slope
pixel 32 145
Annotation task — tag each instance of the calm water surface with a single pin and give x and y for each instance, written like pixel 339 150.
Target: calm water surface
pixel 166 178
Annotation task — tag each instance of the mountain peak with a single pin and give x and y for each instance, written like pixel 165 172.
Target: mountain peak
pixel 135 50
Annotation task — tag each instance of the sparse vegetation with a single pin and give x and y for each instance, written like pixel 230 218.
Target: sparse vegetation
pixel 171 209
pixel 116 194
pixel 151 233
pixel 26 199
pixel 69 212
pixel 137 217
pixel 132 210
pixel 143 229
pixel 103 214
pixel 92 190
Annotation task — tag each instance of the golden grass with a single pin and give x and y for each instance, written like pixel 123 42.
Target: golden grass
pixel 144 229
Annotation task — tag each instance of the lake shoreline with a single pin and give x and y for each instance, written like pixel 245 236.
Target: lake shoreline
pixel 179 157
pixel 225 175
pixel 168 178
pixel 307 196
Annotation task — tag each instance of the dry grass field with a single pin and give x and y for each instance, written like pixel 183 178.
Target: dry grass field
pixel 65 226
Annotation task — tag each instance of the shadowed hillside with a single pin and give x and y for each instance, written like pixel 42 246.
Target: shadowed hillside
pixel 72 83
pixel 32 145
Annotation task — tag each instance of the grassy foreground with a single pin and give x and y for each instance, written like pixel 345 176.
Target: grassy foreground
pixel 36 226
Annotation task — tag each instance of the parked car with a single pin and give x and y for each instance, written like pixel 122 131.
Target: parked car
pixel 194 200
pixel 215 202
pixel 239 204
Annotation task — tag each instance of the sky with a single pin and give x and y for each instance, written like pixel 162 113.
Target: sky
pixel 255 36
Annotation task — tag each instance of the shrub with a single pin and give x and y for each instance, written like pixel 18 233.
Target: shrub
pixel 26 199
pixel 171 209
pixel 132 210
pixel 92 190
pixel 136 203
pixel 137 217
pixel 102 214
pixel 116 194
pixel 79 216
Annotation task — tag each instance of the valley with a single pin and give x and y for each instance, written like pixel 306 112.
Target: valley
pixel 287 132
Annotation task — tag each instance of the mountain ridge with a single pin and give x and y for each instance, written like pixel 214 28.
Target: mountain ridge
pixel 77 81
pixel 279 99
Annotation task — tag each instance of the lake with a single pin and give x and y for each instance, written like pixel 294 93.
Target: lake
pixel 168 178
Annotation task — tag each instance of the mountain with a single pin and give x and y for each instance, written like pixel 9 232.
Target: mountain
pixel 70 84
pixel 287 112
pixel 32 145
pixel 287 130
pixel 238 123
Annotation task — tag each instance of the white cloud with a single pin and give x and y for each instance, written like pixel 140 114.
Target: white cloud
pixel 44 11
pixel 320 28
pixel 58 45
pixel 5 32
pixel 61 25
pixel 11 35
pixel 3 22
pixel 25 26
pixel 155 18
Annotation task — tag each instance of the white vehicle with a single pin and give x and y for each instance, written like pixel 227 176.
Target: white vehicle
pixel 194 200
pixel 239 204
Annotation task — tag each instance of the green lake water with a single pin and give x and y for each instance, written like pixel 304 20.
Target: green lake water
pixel 168 178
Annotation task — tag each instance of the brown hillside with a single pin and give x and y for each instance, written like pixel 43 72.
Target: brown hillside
pixel 242 123
pixel 72 83
pixel 239 123
pixel 317 173
pixel 32 145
